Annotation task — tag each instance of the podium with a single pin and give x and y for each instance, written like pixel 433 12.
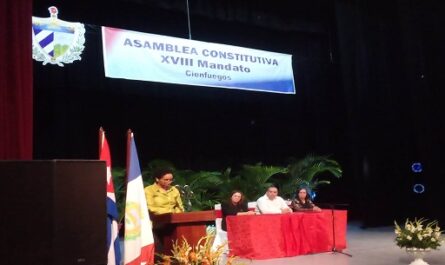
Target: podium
pixel 175 226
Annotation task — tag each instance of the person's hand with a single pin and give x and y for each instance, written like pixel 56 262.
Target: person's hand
pixel 251 213
pixel 316 209
pixel 286 210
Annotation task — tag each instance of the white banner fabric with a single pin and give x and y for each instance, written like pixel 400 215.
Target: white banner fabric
pixel 148 57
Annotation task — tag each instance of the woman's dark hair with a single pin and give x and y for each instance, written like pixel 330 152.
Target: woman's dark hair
pixel 236 191
pixel 308 196
pixel 160 172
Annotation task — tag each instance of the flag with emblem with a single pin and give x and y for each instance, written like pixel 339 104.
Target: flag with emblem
pixel 138 243
pixel 114 253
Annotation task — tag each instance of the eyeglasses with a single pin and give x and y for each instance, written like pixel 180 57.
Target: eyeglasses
pixel 167 180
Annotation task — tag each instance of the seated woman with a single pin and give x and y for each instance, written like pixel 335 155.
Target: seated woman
pixel 236 205
pixel 302 202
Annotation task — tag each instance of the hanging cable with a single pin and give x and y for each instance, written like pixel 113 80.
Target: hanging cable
pixel 188 20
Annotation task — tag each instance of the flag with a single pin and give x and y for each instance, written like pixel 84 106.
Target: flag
pixel 114 252
pixel 138 243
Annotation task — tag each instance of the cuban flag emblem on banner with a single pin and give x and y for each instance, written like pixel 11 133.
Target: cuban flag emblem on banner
pixel 56 41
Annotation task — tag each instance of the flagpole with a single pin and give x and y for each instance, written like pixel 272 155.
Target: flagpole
pixel 101 139
pixel 129 133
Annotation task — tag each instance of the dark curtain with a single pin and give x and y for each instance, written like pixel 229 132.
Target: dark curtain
pixel 16 80
pixel 390 61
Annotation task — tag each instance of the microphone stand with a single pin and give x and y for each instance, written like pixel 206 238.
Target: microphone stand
pixel 334 245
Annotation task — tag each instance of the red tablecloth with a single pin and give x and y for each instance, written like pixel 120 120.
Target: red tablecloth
pixel 284 235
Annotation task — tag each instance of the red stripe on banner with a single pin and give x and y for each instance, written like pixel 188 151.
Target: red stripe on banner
pixel 147 255
pixel 111 35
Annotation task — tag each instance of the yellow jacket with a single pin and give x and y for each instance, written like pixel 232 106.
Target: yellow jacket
pixel 160 201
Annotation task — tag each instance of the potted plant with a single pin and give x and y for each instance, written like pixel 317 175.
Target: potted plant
pixel 252 180
pixel 418 237
pixel 307 172
pixel 201 254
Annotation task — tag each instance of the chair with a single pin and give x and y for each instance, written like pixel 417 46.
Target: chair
pixel 220 235
pixel 253 207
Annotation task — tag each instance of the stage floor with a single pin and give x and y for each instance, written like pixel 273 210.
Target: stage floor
pixel 371 246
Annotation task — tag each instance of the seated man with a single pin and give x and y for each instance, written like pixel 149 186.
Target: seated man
pixel 272 203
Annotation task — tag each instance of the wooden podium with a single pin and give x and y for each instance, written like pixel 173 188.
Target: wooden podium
pixel 175 226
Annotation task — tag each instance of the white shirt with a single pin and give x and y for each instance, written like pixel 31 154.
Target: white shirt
pixel 266 205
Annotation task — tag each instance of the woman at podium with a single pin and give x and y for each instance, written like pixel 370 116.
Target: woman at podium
pixel 161 196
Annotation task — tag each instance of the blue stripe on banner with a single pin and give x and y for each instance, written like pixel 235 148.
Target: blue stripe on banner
pixel 281 86
pixel 134 171
pixel 53 28
pixel 114 241
pixel 36 30
pixel 50 38
pixel 112 209
pixel 117 250
pixel 109 227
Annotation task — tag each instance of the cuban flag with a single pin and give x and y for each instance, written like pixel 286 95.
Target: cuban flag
pixel 139 243
pixel 114 253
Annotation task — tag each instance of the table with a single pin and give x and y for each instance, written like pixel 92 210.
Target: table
pixel 285 235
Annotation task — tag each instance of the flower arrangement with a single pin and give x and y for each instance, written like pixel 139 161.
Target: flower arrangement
pixel 418 234
pixel 201 254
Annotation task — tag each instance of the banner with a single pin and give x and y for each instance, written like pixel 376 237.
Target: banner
pixel 148 57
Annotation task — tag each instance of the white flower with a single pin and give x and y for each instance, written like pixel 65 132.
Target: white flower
pixel 418 233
